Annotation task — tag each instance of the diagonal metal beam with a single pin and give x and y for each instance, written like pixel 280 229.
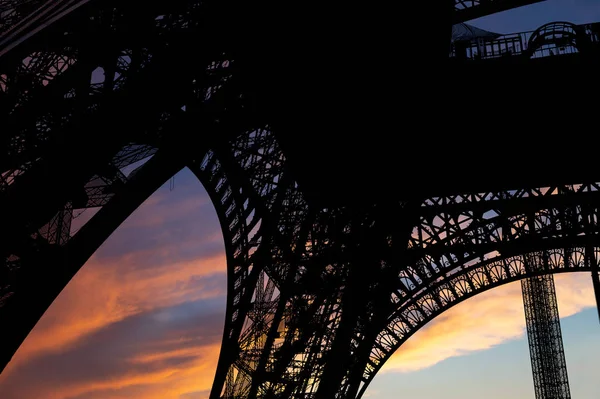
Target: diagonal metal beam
pixel 40 284
pixel 466 10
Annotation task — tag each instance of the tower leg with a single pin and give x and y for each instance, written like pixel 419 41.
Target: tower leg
pixel 545 339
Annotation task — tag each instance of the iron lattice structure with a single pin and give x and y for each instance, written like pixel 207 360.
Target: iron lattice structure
pixel 548 364
pixel 102 102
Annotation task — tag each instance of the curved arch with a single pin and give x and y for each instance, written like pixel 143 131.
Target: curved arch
pixel 245 194
pixel 468 243
pixel 438 298
pixel 283 305
pixel 559 33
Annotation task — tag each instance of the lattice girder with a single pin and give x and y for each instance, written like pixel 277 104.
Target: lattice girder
pixel 274 339
pixel 549 368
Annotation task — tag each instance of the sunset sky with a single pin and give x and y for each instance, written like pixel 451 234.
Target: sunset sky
pixel 143 319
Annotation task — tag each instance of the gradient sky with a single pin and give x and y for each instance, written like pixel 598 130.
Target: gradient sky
pixel 144 317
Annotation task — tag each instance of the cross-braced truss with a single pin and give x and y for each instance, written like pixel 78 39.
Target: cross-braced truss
pixel 318 298
pixel 548 364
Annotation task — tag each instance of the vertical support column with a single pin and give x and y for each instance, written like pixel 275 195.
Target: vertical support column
pixel 591 254
pixel 544 335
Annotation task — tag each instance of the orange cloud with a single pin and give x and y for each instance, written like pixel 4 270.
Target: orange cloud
pixel 484 321
pixel 101 295
pixel 161 380
pixel 173 263
pixel 167 382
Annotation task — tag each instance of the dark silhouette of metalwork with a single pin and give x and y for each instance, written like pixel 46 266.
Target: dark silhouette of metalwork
pixel 556 38
pixel 340 242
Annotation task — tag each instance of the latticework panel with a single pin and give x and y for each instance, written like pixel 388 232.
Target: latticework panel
pixel 548 364
pixel 283 301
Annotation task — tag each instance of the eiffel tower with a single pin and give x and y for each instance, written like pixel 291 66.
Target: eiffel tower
pixel 368 171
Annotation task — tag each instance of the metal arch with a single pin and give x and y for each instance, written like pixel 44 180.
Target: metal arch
pixel 456 233
pixel 558 33
pixel 454 236
pixel 118 198
pixel 246 221
pixel 446 239
pixel 283 300
pixel 499 269
pixel 433 302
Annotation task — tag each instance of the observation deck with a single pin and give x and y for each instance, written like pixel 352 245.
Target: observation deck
pixel 467 125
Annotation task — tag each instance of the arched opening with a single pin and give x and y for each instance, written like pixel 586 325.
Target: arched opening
pixel 479 347
pixel 143 317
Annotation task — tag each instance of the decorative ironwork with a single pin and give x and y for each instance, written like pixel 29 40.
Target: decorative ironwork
pixel 318 298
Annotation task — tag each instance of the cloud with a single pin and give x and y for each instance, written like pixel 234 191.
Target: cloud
pixel 195 395
pixel 99 297
pixel 484 321
pixel 141 356
pixel 180 224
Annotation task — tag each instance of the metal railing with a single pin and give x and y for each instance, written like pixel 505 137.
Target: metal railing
pixel 557 38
